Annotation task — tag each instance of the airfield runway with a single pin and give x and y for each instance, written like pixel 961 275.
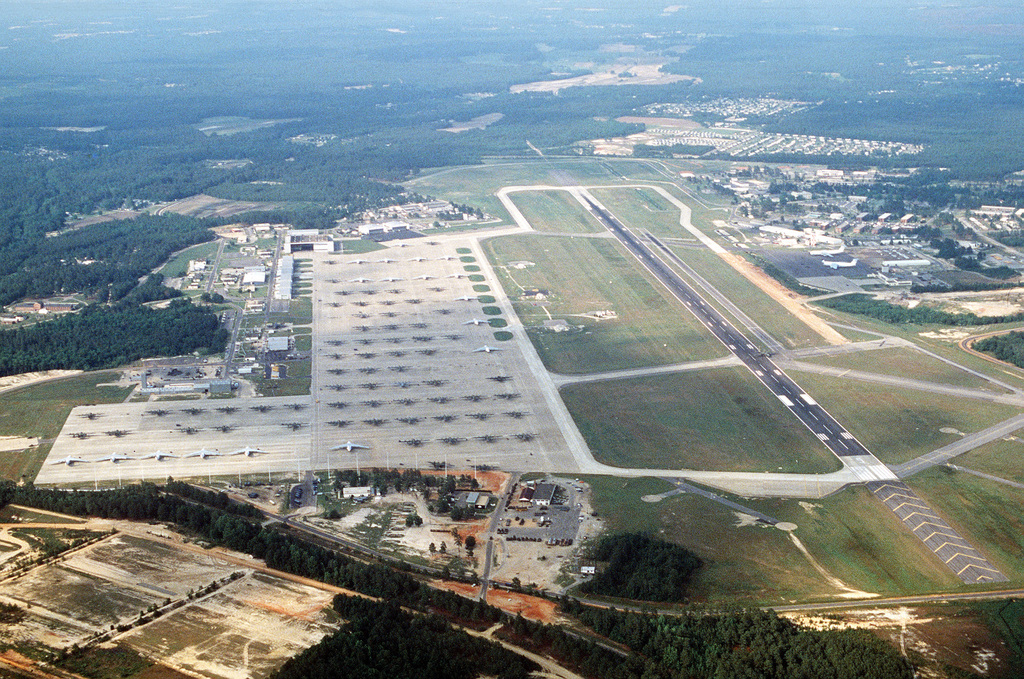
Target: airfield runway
pixel 956 552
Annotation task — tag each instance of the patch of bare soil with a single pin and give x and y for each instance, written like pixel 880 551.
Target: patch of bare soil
pixel 531 607
pixel 202 205
pixel 25 379
pixel 620 73
pixel 787 298
pixel 990 308
pixel 111 216
pixel 677 123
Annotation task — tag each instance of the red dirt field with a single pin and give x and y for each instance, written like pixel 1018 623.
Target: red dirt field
pixel 161 672
pixel 531 607
pixel 489 481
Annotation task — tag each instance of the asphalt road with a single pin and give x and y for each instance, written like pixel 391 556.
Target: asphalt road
pixel 499 512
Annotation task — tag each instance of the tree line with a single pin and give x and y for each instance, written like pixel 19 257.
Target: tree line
pixel 381 640
pixel 104 261
pixel 744 644
pixel 881 310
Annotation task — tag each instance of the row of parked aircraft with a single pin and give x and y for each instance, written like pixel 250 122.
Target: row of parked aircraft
pixel 388 260
pixel 202 453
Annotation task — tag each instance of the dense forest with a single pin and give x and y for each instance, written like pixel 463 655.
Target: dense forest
pixel 107 336
pixel 642 568
pixel 380 640
pixel 745 644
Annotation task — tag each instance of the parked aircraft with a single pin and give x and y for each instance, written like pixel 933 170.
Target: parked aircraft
pixel 349 446
pixel 248 452
pixel 203 453
pixel 69 460
pixel 158 455
pixel 477 321
pixel 486 349
pixel 115 457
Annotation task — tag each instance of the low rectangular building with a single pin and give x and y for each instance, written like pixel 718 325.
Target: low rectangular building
pixel 543 494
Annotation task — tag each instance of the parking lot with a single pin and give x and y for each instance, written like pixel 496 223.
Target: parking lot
pixel 555 523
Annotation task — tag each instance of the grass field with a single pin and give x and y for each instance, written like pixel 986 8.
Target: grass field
pixel 989 514
pixel 10 513
pixel 24 464
pixel 720 420
pixel 1001 458
pixel 583 275
pixel 934 338
pixel 850 534
pixel 178 264
pixel 905 362
pixel 617 502
pixel 297 382
pixel 765 311
pixel 642 208
pixel 556 212
pixel 899 424
pixel 742 564
pixel 477 184
pixel 858 540
pixel 300 312
pixel 357 246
